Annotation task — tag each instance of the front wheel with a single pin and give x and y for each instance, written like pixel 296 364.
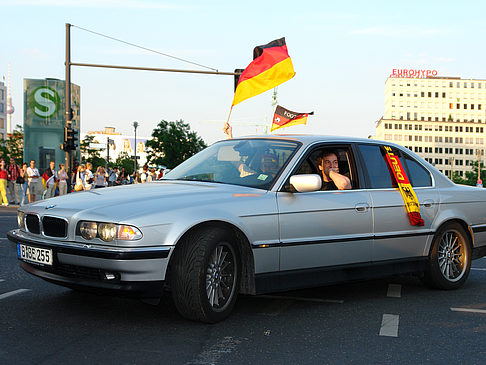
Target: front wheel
pixel 205 275
pixel 450 258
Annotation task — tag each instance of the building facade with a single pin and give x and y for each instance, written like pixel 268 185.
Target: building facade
pixel 442 119
pixel 121 144
pixel 3 111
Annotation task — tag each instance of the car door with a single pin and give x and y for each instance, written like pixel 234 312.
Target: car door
pixel 325 228
pixel 394 236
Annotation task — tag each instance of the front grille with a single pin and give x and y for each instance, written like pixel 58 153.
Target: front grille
pixel 33 224
pixel 73 271
pixel 54 227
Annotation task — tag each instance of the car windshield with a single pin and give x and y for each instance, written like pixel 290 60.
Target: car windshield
pixel 248 162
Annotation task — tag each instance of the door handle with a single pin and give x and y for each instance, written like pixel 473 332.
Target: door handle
pixel 362 207
pixel 428 203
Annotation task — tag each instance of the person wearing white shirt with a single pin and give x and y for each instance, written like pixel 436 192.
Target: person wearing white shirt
pixel 34 188
pixel 88 176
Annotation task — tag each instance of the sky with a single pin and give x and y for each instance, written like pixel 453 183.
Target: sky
pixel 342 54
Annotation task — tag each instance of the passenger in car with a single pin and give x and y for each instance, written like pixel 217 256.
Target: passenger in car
pixel 328 163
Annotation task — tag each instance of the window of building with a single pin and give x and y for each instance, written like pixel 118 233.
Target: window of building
pixel 472 106
pixel 2 125
pixel 418 127
pixel 418 149
pixel 415 116
pixel 479 140
pixel 458 129
pixel 438 161
pixel 458 162
pixel 438 150
pixel 459 151
pixel 458 140
pixel 1 108
pixel 465 106
pixel 472 85
pixel 428 139
pixel 465 84
pixel 388 137
pixel 458 106
pixel 443 95
pixel 422 94
pixel 418 138
pixel 479 85
pixel 388 126
pixel 479 129
pixel 479 106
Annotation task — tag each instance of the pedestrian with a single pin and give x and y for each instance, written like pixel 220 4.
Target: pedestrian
pixel 79 179
pixel 100 178
pixel 63 179
pixel 88 176
pixel 34 188
pixel 13 186
pixel 22 179
pixel 50 178
pixel 152 176
pixel 113 176
pixel 144 175
pixel 123 176
pixel 3 183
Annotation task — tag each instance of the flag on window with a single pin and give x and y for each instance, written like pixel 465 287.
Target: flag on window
pixel 285 118
pixel 271 66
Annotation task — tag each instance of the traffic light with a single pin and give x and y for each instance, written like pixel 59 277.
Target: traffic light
pixel 70 138
pixel 238 71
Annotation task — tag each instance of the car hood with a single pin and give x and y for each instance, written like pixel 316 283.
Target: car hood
pixel 120 203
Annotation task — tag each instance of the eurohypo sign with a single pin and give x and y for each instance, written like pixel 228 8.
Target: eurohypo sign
pixel 413 73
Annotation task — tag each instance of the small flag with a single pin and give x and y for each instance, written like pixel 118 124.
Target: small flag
pixel 271 66
pixel 285 118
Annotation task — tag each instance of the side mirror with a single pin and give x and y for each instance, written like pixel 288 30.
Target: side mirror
pixel 306 182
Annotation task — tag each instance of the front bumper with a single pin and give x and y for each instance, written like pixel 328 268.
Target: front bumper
pixel 138 272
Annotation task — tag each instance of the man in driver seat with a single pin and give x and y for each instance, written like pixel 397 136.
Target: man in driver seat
pixel 328 163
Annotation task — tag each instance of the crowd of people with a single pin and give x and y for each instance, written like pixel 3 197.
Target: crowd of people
pixel 24 184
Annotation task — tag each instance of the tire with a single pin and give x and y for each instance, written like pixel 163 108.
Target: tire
pixel 449 259
pixel 205 275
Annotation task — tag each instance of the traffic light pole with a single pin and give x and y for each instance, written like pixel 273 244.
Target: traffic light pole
pixel 67 99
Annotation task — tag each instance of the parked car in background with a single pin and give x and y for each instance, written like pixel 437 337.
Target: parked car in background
pixel 248 216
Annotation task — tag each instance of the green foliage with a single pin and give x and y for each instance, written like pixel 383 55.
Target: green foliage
pixel 123 160
pixel 471 177
pixel 91 154
pixel 172 143
pixel 13 146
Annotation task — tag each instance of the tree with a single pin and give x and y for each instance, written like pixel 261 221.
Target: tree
pixel 13 146
pixel 472 176
pixel 123 160
pixel 172 143
pixel 91 154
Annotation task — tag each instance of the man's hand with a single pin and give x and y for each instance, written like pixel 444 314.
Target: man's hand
pixel 228 130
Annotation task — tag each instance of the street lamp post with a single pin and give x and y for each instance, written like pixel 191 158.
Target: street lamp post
pixel 135 125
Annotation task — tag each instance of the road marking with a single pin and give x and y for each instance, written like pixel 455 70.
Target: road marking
pixel 301 299
pixel 470 310
pixel 214 353
pixel 478 269
pixel 3 239
pixel 389 325
pixel 394 291
pixel 1 280
pixel 15 292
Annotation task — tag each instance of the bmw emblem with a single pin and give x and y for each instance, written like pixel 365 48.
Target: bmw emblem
pixel 50 206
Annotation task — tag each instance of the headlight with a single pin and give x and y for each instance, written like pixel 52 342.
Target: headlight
pixel 88 230
pixel 128 233
pixel 21 219
pixel 107 231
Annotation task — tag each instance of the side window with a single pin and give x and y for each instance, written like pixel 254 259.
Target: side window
pixel 376 166
pixel 344 165
pixel 417 174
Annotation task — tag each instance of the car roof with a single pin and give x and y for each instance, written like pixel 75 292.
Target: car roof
pixel 307 139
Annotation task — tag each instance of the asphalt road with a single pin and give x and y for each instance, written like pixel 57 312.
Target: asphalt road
pixel 396 320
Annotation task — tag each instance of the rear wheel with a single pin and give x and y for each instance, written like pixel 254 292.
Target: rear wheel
pixel 205 275
pixel 450 258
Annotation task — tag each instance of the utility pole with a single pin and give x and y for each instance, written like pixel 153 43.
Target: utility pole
pixel 67 97
pixel 135 125
pixel 479 153
pixel 451 161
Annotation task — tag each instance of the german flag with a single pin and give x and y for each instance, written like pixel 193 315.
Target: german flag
pixel 285 118
pixel 270 67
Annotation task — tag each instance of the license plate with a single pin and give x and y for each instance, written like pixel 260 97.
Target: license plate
pixel 34 254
